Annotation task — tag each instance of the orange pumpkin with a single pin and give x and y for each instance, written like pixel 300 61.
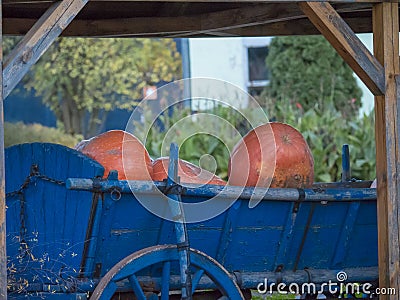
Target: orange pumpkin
pixel 188 172
pixel 110 149
pixel 272 155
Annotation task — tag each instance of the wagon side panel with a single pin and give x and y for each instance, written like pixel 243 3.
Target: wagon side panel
pixel 47 222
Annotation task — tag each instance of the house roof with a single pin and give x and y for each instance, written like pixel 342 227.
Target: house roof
pixel 198 18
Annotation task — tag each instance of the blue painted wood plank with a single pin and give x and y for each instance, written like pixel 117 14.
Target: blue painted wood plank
pixel 346 234
pixel 166 233
pixel 51 210
pixel 49 296
pixel 227 231
pixel 287 236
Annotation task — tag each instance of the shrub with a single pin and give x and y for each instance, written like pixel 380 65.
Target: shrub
pixel 17 133
pixel 307 70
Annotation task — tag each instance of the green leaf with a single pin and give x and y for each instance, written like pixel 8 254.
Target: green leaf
pixel 324 178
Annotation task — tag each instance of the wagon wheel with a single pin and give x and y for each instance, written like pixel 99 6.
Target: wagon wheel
pixel 165 254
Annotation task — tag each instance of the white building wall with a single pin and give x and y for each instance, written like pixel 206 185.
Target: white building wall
pixel 367 97
pixel 219 58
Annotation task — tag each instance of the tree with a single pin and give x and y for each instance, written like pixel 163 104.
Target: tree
pixel 308 71
pixel 82 79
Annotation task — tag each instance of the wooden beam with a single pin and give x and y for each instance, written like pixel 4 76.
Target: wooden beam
pixel 293 27
pixel 177 27
pixel 145 27
pixel 347 44
pixel 254 20
pixel 3 251
pixel 248 16
pixel 386 49
pixel 200 24
pixel 37 41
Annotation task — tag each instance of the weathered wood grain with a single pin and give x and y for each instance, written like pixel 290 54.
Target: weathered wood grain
pixel 386 49
pixel 347 44
pixel 182 20
pixel 192 25
pixel 37 41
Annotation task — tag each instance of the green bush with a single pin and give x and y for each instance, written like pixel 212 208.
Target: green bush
pixel 307 69
pixel 17 133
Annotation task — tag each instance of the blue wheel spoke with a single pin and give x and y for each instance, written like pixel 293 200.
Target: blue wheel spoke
pixel 196 279
pixel 136 287
pixel 165 254
pixel 165 280
pixel 109 291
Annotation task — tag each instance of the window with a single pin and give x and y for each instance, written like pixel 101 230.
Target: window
pixel 258 75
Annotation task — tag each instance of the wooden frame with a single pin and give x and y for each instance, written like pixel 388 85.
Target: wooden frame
pixel 380 72
pixel 37 41
pixel 386 48
pixel 347 44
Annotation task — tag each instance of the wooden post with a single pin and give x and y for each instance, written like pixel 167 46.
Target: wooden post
pixel 386 50
pixel 3 256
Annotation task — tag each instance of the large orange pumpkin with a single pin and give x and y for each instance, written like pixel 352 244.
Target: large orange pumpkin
pixel 188 172
pixel 272 155
pixel 121 151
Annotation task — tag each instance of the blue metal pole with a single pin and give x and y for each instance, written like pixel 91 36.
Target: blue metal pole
pixel 180 226
pixel 346 173
pixel 231 192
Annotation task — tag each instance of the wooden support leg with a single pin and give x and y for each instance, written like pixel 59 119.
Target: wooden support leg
pixel 38 39
pixel 386 49
pixel 3 256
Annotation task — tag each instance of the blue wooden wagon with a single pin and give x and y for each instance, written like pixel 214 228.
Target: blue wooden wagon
pixel 73 235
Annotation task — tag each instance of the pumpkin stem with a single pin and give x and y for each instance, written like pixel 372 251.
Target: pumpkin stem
pixel 286 138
